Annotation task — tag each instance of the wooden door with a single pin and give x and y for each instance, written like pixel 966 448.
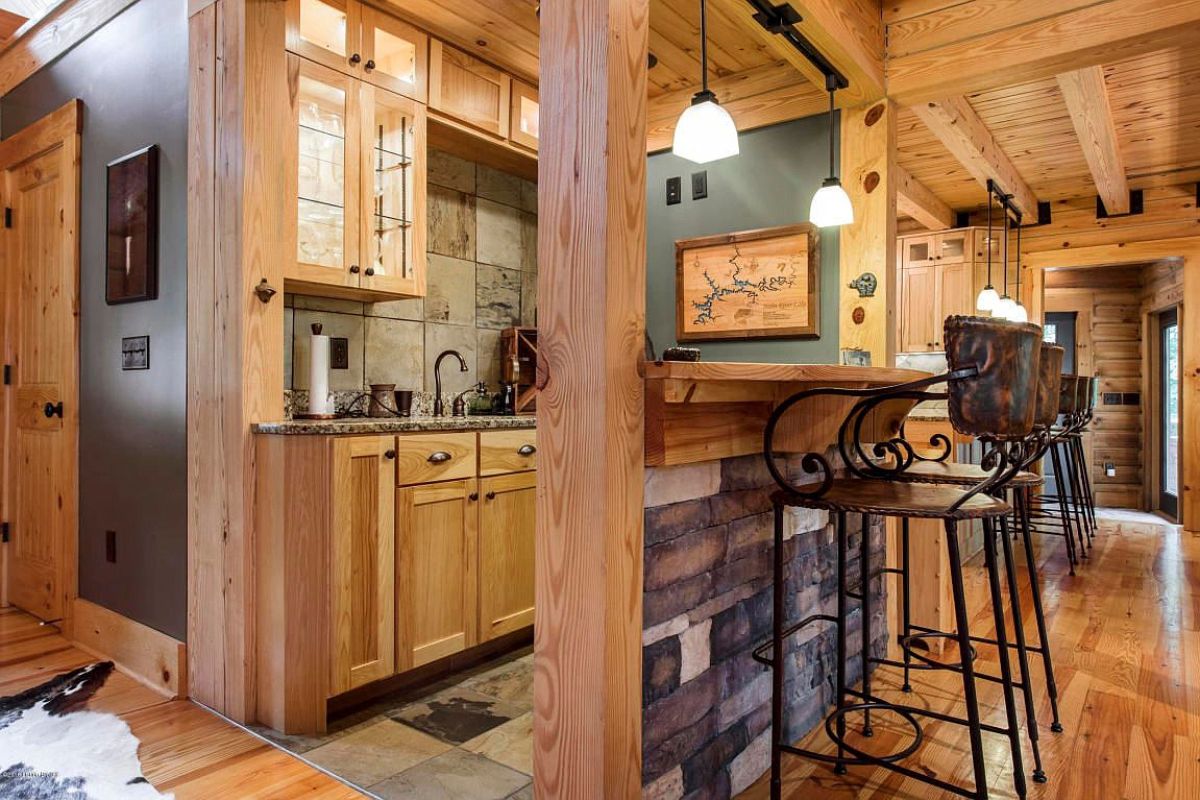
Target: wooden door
pixel 395 55
pixel 327 32
pixel 325 112
pixel 470 91
pixel 362 561
pixel 507 511
pixel 393 192
pixel 436 573
pixel 955 296
pixel 524 115
pixel 919 290
pixel 919 251
pixel 41 254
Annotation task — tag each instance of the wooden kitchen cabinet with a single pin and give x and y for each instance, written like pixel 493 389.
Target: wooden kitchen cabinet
pixel 436 570
pixel 362 42
pixel 507 509
pixel 468 90
pixel 362 561
pixel 939 276
pixel 524 115
pixel 918 292
pixel 360 193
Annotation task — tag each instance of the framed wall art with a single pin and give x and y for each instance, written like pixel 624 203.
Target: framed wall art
pixel 759 284
pixel 131 262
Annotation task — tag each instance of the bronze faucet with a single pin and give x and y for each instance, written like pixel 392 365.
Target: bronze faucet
pixel 439 408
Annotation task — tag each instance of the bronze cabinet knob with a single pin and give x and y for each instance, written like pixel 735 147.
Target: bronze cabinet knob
pixel 354 269
pixel 370 65
pixel 473 496
pixel 490 495
pixel 355 58
pixel 369 271
pixel 389 454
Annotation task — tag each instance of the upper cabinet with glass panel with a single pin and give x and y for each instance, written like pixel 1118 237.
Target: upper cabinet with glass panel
pixel 360 41
pixel 524 117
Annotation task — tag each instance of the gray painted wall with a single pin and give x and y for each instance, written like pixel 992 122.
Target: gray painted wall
pixel 771 182
pixel 132 78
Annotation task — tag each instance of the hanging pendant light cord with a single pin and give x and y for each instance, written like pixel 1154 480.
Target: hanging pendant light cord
pixel 703 46
pixel 1018 260
pixel 990 237
pixel 831 86
pixel 1005 292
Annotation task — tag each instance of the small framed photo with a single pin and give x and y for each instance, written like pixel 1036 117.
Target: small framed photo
pixel 131 264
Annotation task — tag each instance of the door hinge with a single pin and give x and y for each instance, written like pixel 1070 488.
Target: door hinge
pixel 7 374
pixel 8 216
pixel 3 531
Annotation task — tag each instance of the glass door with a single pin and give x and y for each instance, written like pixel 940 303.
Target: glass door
pixel 1168 407
pixel 393 180
pixel 325 31
pixel 396 55
pixel 327 239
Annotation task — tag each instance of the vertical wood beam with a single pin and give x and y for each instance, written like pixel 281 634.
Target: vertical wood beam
pixel 591 298
pixel 1087 100
pixel 237 219
pixel 868 136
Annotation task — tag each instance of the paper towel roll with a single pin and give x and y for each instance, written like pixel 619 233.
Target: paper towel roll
pixel 318 374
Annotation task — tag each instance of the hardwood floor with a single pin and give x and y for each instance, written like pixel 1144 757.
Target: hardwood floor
pixel 1126 637
pixel 185 749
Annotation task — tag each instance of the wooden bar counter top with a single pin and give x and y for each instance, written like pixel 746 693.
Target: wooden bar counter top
pixel 706 411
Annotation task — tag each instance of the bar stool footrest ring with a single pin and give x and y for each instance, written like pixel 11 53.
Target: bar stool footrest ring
pixel 906 644
pixel 863 758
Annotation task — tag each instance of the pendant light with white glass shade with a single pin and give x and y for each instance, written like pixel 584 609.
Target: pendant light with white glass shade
pixel 705 132
pixel 831 205
pixel 1019 313
pixel 988 296
pixel 1004 306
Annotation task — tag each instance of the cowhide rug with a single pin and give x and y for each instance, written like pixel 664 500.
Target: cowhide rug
pixel 51 748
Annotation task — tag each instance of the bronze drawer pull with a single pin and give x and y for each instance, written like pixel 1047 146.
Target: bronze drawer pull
pixel 440 457
pixel 526 450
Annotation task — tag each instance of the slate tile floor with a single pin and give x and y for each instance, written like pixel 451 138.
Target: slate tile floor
pixel 469 737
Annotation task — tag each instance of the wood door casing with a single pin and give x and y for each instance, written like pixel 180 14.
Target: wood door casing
pixel 436 571
pixel 41 186
pixel 362 561
pixel 507 513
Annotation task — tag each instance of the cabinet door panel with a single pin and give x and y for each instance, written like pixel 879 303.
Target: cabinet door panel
pixel 954 290
pixel 393 196
pixel 506 558
pixel 524 115
pixel 953 246
pixel 436 571
pixel 468 90
pixel 325 31
pixel 395 55
pixel 919 251
pixel 362 562
pixel 919 290
pixel 325 114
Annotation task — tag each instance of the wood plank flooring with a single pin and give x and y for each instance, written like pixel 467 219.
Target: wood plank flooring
pixel 1126 637
pixel 185 749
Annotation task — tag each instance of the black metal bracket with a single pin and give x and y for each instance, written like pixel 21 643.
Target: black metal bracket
pixel 1136 206
pixel 8 374
pixel 4 531
pixel 782 20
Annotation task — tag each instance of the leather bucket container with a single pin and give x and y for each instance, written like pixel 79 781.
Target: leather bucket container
pixel 1049 378
pixel 999 402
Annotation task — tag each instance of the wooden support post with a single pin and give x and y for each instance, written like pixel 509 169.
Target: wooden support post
pixel 237 222
pixel 869 245
pixel 591 298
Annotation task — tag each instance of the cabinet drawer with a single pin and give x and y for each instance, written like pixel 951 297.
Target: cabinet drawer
pixel 507 451
pixel 431 457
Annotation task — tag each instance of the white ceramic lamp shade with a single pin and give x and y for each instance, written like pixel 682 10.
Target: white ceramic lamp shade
pixel 705 132
pixel 987 299
pixel 831 205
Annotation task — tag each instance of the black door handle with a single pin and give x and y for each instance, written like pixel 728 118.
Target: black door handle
pixel 52 410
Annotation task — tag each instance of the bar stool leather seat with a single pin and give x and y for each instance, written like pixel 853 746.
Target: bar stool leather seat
pixel 965 474
pixel 924 500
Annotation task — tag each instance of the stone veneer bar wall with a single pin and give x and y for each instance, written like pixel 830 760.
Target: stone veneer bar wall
pixel 706 703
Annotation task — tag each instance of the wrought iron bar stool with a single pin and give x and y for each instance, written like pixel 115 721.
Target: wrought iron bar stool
pixel 991 391
pixel 1059 512
pixel 1086 411
pixel 940 469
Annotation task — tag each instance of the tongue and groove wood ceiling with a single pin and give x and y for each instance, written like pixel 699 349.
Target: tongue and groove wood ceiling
pixel 1155 107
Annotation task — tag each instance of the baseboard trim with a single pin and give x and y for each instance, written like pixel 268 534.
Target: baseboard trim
pixel 146 655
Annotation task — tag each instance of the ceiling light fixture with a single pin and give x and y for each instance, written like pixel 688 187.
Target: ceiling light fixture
pixel 831 205
pixel 705 132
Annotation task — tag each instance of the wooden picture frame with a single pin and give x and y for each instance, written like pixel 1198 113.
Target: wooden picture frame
pixel 131 258
pixel 780 299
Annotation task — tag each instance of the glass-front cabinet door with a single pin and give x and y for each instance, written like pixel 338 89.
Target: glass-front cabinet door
pixel 393 182
pixel 395 55
pixel 325 31
pixel 324 110
pixel 524 116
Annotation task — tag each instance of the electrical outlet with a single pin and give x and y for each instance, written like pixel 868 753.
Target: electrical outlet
pixel 1110 469
pixel 339 352
pixel 110 546
pixel 699 185
pixel 674 191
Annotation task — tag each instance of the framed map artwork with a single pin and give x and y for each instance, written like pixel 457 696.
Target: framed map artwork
pixel 758 284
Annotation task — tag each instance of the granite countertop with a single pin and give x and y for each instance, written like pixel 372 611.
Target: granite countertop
pixel 353 425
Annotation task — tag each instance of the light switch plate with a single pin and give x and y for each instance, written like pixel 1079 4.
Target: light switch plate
pixel 674 191
pixel 700 185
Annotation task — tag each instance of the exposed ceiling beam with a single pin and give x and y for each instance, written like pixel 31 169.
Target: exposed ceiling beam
pixel 850 34
pixel 960 129
pixel 1091 114
pixel 761 96
pixel 1005 54
pixel 914 199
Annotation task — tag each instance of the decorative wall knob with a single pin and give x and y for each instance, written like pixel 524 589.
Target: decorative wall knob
pixel 265 291
pixel 52 410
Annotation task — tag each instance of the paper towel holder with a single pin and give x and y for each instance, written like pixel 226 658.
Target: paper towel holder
pixel 265 291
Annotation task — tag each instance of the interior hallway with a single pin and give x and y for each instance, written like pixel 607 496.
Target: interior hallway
pixel 1126 633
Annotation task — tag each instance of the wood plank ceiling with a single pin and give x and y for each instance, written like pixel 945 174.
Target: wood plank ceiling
pixel 1155 115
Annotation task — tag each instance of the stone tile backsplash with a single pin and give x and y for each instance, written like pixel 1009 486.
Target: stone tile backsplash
pixel 482 278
